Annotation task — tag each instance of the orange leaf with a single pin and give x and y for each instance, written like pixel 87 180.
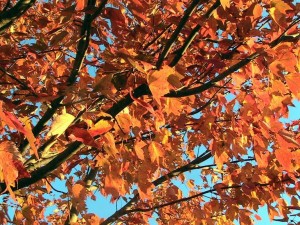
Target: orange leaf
pixel 143 103
pixel 257 217
pixel 13 122
pixel 80 4
pixel 138 148
pixel 11 164
pixel 257 11
pixel 155 151
pixel 109 144
pixel 158 82
pixel 79 196
pixel 30 137
pixel 114 185
pixel 124 122
pixel 100 127
pixel 293 81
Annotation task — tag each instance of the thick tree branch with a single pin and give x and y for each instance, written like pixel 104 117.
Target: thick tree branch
pixel 43 171
pixel 8 17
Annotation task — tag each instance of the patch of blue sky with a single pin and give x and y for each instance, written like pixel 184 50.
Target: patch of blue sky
pixel 294 113
pixel 28 41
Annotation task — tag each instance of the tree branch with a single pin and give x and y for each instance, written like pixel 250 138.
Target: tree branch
pixel 128 207
pixel 43 171
pixel 188 12
pixel 199 195
pixel 8 17
pixel 192 35
pixel 81 51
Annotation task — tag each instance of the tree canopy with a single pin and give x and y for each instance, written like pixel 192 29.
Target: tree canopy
pixel 175 108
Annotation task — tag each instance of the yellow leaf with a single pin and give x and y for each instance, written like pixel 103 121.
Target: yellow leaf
pixel 100 127
pixel 138 148
pixel 155 151
pixel 158 82
pixel 60 124
pixel 281 6
pixel 123 124
pixel 225 3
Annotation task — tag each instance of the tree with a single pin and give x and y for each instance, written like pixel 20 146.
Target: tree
pixel 125 98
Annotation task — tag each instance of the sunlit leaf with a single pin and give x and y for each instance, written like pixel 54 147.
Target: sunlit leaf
pixel 60 124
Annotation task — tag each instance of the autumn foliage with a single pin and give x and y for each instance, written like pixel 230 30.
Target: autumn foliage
pixel 173 108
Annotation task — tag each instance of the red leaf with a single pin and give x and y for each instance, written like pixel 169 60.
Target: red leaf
pixel 12 121
pixel 78 134
pixel 257 217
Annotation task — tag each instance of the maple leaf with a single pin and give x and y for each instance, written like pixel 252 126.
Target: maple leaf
pixel 227 74
pixel 156 151
pixel 292 81
pixel 82 135
pixel 100 127
pixel 11 165
pixel 80 4
pixel 225 3
pixel 79 193
pixel 14 123
pixel 159 81
pixel 60 124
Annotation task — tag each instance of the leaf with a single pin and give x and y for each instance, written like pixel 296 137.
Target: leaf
pixel 82 135
pixel 109 144
pixel 286 61
pixel 155 151
pixel 58 37
pixel 92 219
pixel 114 185
pixel 11 120
pixel 292 81
pixel 257 11
pixel 158 82
pixel 79 195
pixel 30 136
pixel 257 217
pixel 144 185
pixel 100 127
pixel 225 3
pixel 80 4
pixel 11 165
pixel 138 148
pixel 285 157
pixel 143 103
pixel 281 6
pixel 60 124
pixel 124 122
pixel 14 123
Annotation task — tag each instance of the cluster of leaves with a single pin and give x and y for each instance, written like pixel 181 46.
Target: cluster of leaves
pixel 123 98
